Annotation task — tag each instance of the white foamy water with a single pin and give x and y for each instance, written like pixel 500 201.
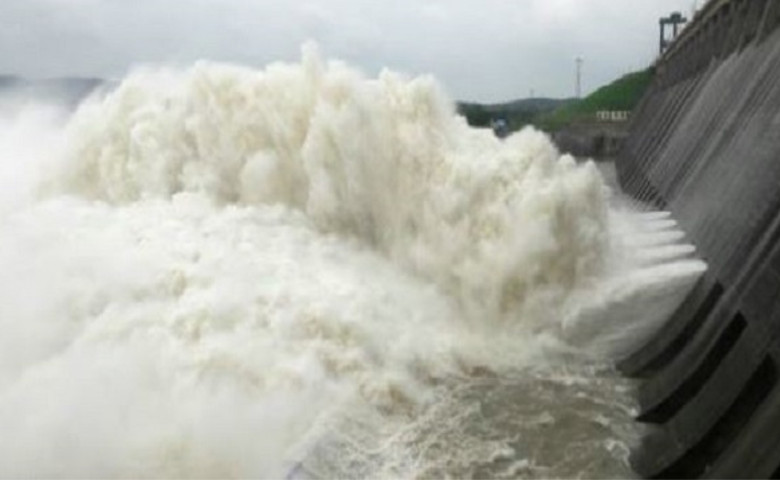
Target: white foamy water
pixel 302 272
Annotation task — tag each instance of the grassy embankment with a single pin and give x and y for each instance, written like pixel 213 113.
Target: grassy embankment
pixel 553 114
pixel 621 95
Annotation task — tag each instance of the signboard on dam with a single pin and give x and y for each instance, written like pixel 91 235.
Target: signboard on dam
pixel 705 144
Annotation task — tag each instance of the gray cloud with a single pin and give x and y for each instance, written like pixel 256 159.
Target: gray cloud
pixel 486 50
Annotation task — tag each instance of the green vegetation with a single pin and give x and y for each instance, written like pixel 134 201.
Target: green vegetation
pixel 517 114
pixel 621 95
pixel 552 115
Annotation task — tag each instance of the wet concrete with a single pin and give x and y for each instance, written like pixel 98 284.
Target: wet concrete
pixel 705 144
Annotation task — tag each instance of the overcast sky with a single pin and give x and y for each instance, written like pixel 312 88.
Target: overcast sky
pixel 485 50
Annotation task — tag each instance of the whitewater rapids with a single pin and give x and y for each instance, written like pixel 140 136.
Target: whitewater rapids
pixel 303 272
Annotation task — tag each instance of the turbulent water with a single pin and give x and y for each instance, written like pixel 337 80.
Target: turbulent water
pixel 303 272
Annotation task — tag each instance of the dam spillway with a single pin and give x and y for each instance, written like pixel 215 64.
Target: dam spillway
pixel 303 273
pixel 705 145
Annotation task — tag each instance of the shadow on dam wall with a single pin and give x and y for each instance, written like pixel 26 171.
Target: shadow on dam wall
pixel 705 144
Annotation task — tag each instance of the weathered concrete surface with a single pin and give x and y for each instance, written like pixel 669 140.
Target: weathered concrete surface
pixel 705 144
pixel 594 139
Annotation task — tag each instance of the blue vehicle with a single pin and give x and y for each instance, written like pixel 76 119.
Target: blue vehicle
pixel 500 127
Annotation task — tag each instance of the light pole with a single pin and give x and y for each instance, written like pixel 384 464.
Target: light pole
pixel 578 81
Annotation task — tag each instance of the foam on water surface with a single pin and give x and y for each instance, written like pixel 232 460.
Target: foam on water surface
pixel 300 271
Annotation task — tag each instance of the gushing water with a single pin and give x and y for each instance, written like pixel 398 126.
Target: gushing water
pixel 304 272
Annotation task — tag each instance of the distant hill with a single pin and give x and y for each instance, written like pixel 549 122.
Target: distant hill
pixel 517 113
pixel 68 90
pixel 552 115
pixel 7 81
pixel 621 95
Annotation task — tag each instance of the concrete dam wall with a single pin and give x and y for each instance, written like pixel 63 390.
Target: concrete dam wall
pixel 705 144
